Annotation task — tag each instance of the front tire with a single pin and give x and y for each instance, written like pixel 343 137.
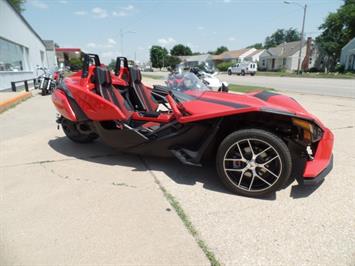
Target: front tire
pixel 71 131
pixel 253 162
pixel 229 72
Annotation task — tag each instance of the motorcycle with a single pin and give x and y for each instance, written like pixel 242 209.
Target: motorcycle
pixel 45 81
pixel 210 79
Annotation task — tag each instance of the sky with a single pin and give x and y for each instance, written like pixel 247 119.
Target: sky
pixel 113 27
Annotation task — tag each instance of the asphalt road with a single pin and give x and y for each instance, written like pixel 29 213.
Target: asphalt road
pixel 316 86
pixel 321 86
pixel 69 204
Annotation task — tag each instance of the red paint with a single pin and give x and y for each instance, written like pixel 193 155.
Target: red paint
pixel 62 105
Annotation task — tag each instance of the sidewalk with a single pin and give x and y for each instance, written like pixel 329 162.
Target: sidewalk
pixel 11 98
pixel 80 204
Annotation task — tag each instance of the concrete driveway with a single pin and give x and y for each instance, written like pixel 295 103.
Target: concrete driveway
pixel 298 225
pixel 68 204
pixel 63 203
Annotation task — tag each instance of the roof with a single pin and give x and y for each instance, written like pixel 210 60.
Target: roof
pixel 195 58
pixel 349 43
pixel 255 52
pixel 230 54
pixel 284 49
pixel 68 50
pixel 25 21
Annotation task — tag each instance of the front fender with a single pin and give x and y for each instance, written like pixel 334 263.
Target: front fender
pixel 62 105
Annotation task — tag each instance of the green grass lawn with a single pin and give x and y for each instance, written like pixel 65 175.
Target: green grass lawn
pixel 244 88
pixel 308 75
pixel 152 76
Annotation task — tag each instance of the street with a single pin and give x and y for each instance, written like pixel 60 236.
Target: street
pixel 316 86
pixel 69 204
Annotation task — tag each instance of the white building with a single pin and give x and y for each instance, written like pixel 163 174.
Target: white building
pixel 51 53
pixel 347 56
pixel 21 48
pixel 285 56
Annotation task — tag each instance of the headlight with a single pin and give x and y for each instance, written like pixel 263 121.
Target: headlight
pixel 311 132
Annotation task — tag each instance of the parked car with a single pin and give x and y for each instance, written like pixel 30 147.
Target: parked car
pixel 243 69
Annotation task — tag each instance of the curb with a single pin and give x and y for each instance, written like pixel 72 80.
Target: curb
pixel 14 100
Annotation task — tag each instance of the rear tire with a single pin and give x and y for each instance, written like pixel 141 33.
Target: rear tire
pixel 71 131
pixel 253 162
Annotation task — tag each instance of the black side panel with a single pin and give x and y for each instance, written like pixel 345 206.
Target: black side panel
pixel 265 95
pixel 79 113
pixel 119 138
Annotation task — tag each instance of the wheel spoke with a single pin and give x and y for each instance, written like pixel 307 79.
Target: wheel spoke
pixel 240 151
pixel 251 182
pixel 268 148
pixel 234 170
pixel 241 177
pixel 262 179
pixel 234 160
pixel 251 148
pixel 269 161
pixel 270 172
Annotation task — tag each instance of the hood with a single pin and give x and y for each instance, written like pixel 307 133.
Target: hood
pixel 262 101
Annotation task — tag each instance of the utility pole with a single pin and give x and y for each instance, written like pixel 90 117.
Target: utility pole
pixel 302 33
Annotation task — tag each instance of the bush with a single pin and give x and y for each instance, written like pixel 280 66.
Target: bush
pixel 313 70
pixel 75 64
pixel 340 68
pixel 224 66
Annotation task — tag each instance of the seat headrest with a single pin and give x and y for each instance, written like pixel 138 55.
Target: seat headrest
pixel 102 76
pixel 136 75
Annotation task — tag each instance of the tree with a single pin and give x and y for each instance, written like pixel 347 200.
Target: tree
pixel 18 5
pixel 172 61
pixel 112 65
pixel 258 45
pixel 280 36
pixel 75 64
pixel 158 56
pixel 180 49
pixel 220 50
pixel 337 30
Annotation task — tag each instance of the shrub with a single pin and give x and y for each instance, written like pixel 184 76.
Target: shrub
pixel 75 64
pixel 224 66
pixel 340 68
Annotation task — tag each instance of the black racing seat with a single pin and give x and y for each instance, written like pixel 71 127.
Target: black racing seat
pixel 104 87
pixel 143 94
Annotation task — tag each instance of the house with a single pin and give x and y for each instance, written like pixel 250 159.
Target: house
pixel 195 60
pixel 254 56
pixel 234 55
pixel 285 56
pixel 347 56
pixel 21 48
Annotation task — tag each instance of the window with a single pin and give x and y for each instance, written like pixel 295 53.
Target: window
pixel 284 61
pixel 12 56
pixel 263 62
